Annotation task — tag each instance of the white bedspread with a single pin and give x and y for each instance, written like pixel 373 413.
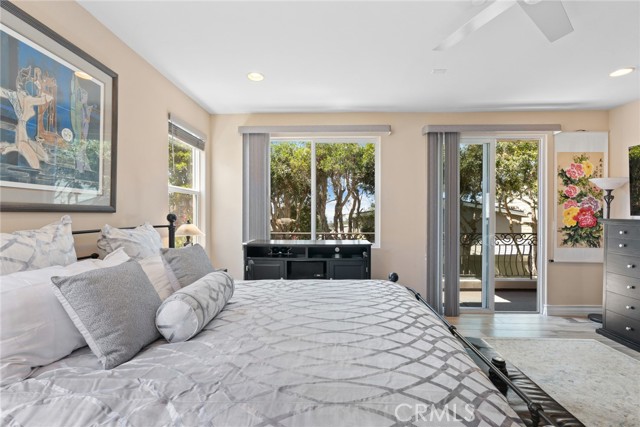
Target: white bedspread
pixel 281 353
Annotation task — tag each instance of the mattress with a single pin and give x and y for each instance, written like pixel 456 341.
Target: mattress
pixel 281 353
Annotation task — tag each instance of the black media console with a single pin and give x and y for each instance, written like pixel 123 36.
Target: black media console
pixel 307 259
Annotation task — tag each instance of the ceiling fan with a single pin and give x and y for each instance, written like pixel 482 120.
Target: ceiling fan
pixel 548 15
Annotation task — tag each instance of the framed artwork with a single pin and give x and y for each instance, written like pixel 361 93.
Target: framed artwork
pixel 579 205
pixel 634 180
pixel 58 118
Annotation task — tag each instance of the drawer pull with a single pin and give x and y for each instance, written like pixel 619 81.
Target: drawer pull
pixel 628 328
pixel 629 307
pixel 623 231
pixel 622 245
pixel 631 286
pixel 631 266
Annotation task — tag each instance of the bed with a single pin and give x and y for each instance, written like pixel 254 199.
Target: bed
pixel 281 353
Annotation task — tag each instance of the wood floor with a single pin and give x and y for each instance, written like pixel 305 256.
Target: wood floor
pixel 532 326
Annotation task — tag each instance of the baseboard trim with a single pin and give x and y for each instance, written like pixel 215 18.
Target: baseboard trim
pixel 571 310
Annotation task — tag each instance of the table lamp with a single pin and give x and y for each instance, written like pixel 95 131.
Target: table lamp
pixel 188 230
pixel 608 185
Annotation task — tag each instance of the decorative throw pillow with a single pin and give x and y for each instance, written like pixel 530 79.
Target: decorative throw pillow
pixel 188 264
pixel 158 274
pixel 113 308
pixel 35 249
pixel 139 243
pixel 36 330
pixel 187 311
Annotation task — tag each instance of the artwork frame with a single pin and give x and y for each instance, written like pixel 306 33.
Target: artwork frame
pixel 578 232
pixel 58 121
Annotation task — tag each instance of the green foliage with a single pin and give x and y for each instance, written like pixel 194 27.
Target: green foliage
pixel 345 174
pixel 291 186
pixel 516 179
pixel 582 236
pixel 180 164
pixel 471 185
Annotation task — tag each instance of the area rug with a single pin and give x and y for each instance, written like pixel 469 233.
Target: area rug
pixel 597 384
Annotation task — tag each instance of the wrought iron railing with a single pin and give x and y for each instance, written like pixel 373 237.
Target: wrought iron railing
pixel 515 255
pixel 302 235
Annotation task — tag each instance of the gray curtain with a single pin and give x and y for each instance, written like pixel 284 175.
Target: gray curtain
pixel 443 225
pixel 255 185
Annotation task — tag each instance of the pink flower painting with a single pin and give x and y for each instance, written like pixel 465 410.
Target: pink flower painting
pixel 579 202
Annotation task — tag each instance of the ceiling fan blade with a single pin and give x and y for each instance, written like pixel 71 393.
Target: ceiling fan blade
pixel 550 17
pixel 487 14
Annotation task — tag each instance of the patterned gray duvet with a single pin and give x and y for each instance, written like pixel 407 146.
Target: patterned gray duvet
pixel 281 353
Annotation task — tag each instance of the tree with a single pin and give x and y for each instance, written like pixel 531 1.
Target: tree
pixel 345 174
pixel 516 179
pixel 471 186
pixel 181 175
pixel 291 186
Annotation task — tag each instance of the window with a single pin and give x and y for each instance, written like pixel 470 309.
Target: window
pixel 324 189
pixel 185 179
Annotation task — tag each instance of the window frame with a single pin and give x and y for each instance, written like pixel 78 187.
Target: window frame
pixel 313 140
pixel 198 180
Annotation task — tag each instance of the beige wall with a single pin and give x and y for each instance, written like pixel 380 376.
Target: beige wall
pixel 144 99
pixel 403 192
pixel 624 125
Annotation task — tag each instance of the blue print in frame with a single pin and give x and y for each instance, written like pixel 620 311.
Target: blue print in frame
pixel 57 121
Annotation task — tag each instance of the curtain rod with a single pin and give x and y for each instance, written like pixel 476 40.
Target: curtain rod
pixel 342 129
pixel 492 128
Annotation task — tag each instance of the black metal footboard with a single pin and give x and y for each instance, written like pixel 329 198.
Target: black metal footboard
pixel 535 409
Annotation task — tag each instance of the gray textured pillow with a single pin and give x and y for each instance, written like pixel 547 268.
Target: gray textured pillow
pixel 34 249
pixel 139 243
pixel 187 311
pixel 188 264
pixel 113 308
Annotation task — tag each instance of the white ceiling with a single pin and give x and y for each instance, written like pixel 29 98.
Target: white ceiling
pixel 328 56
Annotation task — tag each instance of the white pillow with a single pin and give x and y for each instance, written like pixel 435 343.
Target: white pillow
pixel 36 330
pixel 33 249
pixel 139 243
pixel 187 311
pixel 155 269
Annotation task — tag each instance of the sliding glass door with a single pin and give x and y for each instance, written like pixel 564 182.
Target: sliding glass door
pixel 477 222
pixel 498 205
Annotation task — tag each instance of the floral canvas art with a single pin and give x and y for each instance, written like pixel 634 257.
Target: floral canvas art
pixel 580 203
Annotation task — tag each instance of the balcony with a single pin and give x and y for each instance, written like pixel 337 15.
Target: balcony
pixel 516 271
pixel 515 255
pixel 329 235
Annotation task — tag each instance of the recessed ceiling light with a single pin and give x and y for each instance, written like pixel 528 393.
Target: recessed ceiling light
pixel 255 77
pixel 439 71
pixel 622 71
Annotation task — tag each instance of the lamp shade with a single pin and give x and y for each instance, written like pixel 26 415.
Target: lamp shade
pixel 188 230
pixel 609 183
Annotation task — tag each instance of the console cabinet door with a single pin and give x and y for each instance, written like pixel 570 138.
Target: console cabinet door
pixel 263 269
pixel 348 269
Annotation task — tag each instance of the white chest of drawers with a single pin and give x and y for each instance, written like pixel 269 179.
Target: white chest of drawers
pixel 621 313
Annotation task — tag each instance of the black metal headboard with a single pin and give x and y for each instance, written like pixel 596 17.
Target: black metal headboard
pixel 171 226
